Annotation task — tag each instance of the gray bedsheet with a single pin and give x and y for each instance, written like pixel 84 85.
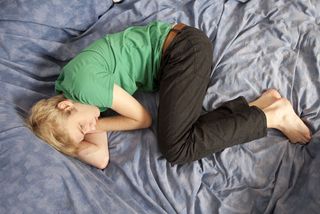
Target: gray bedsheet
pixel 258 44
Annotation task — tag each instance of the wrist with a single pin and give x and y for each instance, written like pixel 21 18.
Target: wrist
pixel 101 126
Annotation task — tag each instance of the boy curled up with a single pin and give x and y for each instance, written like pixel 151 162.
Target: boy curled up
pixel 173 59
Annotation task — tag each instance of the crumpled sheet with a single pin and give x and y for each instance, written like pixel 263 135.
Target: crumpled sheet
pixel 257 45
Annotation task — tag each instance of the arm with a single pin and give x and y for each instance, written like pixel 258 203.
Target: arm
pixel 94 151
pixel 132 114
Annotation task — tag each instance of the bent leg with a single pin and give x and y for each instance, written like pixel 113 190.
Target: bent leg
pixel 183 134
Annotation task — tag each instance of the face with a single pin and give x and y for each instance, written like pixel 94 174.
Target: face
pixel 81 121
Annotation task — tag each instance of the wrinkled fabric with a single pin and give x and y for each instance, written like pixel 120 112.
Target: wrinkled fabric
pixel 257 45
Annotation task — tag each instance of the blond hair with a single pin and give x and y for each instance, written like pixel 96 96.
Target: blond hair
pixel 46 119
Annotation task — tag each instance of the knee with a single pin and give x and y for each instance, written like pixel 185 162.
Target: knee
pixel 175 154
pixel 170 157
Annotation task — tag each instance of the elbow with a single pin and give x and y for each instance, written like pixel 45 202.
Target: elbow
pixel 103 163
pixel 146 120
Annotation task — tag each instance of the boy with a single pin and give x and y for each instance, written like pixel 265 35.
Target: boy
pixel 174 59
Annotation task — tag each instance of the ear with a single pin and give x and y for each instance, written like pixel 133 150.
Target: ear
pixel 65 105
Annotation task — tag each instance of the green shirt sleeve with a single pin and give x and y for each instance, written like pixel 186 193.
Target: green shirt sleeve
pixel 91 85
pixel 95 89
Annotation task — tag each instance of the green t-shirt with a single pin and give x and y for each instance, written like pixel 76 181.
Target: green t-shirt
pixel 130 58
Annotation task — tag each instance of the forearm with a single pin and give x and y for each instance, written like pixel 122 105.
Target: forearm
pixel 122 123
pixel 132 115
pixel 94 150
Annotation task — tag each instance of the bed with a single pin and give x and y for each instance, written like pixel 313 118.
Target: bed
pixel 258 44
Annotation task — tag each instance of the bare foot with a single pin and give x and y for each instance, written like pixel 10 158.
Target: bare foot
pixel 266 99
pixel 280 115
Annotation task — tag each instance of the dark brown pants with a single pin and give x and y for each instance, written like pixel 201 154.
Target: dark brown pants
pixel 184 135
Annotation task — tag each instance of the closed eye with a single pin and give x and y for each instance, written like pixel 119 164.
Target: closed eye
pixel 81 130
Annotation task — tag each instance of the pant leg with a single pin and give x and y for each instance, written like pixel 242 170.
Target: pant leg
pixel 184 77
pixel 183 134
pixel 221 129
